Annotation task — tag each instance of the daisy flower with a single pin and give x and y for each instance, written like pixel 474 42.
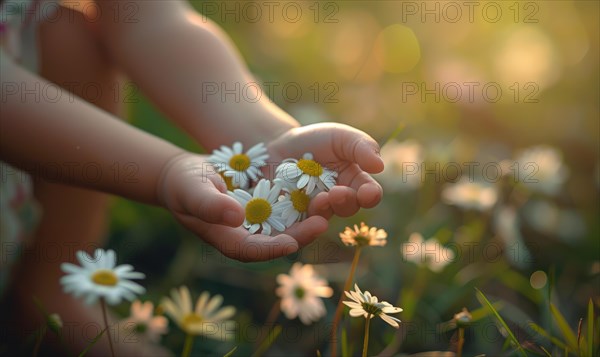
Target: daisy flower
pixel 367 305
pixel 541 169
pixel 98 277
pixel 306 173
pixel 468 194
pixel 143 322
pixel 300 293
pixel 239 166
pixel 207 319
pixel 294 201
pixel 463 318
pixel 429 253
pixel 403 162
pixel 363 236
pixel 262 207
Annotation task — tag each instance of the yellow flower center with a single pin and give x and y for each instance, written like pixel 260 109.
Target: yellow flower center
pixel 258 210
pixel 191 319
pixel 300 200
pixel 299 292
pixel 362 240
pixel 371 309
pixel 310 167
pixel 228 181
pixel 239 162
pixel 105 277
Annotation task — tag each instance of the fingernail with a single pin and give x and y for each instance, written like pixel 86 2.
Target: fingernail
pixel 231 217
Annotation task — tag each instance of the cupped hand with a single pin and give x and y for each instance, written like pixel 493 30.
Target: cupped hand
pixel 197 197
pixel 349 151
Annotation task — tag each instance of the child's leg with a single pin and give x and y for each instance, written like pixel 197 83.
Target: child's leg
pixel 72 218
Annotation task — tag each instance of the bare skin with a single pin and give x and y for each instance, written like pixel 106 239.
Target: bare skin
pixel 75 131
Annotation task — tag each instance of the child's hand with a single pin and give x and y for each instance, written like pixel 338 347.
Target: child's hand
pixel 349 151
pixel 197 196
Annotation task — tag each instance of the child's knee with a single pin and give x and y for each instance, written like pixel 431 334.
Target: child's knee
pixel 71 56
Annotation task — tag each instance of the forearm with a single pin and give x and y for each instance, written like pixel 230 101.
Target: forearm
pixel 68 140
pixel 185 64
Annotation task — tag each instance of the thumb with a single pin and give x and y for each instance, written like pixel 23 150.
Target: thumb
pixel 210 203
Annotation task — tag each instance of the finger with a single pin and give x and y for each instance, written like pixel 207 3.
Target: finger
pixel 369 192
pixel 238 243
pixel 307 231
pixel 356 146
pixel 343 201
pixel 319 206
pixel 209 204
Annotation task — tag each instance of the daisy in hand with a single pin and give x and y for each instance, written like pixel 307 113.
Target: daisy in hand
pixel 262 208
pixel 99 278
pixel 238 168
pixel 295 202
pixel 301 292
pixel 306 174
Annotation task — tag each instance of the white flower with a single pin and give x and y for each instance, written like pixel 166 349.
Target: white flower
pixel 470 195
pixel 428 253
pixel 507 224
pixel 98 277
pixel 306 173
pixel 367 305
pixel 540 168
pixel 564 223
pixel 300 293
pixel 262 208
pixel 463 318
pixel 403 162
pixel 364 236
pixel 294 201
pixel 239 166
pixel 143 322
pixel 207 319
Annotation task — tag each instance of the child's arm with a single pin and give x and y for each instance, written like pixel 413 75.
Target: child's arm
pixel 186 64
pixel 177 57
pixel 70 141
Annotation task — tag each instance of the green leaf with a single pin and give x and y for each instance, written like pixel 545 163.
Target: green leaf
pixel 485 302
pixel 344 343
pixel 558 343
pixel 230 353
pixel 545 351
pixel 590 329
pixel 96 339
pixel 394 134
pixel 268 341
pixel 564 328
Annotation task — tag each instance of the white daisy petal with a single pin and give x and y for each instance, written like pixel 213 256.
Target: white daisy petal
pixel 299 293
pixel 100 278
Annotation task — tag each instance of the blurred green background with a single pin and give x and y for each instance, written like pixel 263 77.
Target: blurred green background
pixel 461 87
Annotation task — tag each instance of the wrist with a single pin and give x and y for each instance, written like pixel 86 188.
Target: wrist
pixel 162 181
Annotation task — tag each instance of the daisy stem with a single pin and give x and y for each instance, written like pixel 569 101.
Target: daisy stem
pixel 38 340
pixel 103 305
pixel 270 321
pixel 340 305
pixel 187 347
pixel 366 341
pixel 461 341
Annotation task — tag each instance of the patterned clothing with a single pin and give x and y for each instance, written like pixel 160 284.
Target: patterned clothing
pixel 19 212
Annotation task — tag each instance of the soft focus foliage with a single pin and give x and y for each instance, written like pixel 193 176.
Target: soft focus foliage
pixel 512 104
